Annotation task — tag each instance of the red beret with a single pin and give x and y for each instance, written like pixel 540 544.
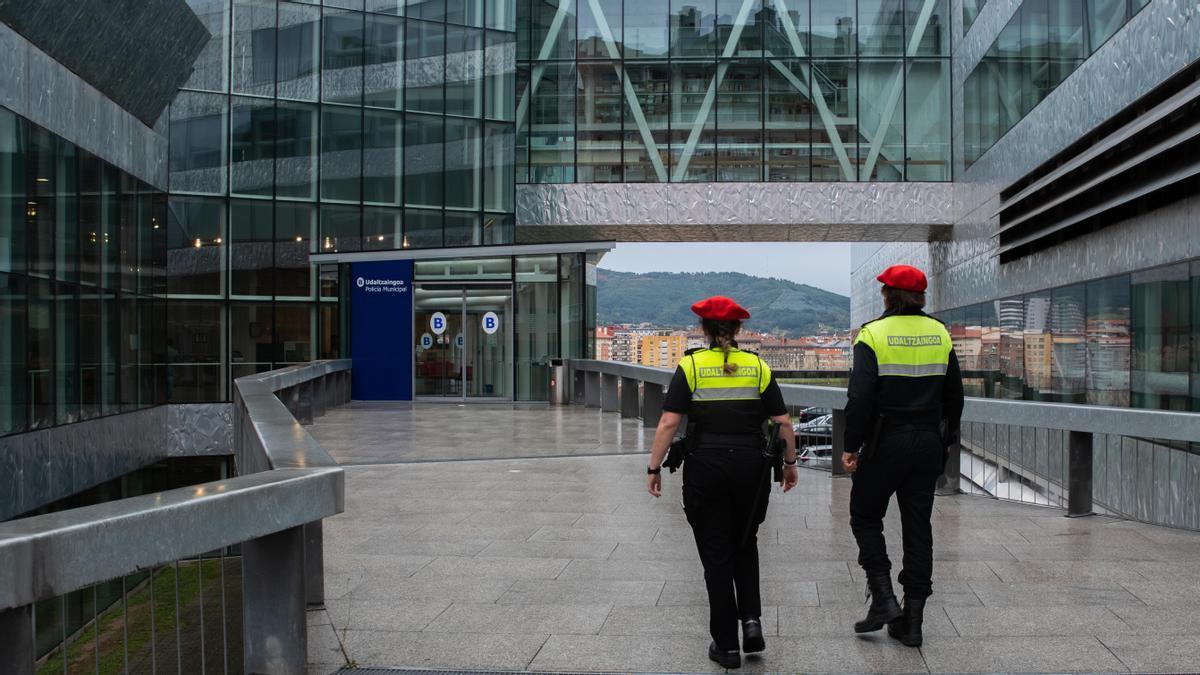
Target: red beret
pixel 720 308
pixel 904 277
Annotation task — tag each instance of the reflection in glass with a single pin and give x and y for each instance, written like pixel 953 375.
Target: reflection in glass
pixel 197 139
pixel 552 128
pixel 498 176
pixel 294 327
pixel 383 157
pixel 464 163
pixel 693 128
pixel 500 102
pixel 881 119
pixel 1108 342
pixel 464 71
pixel 341 229
pixel 251 248
pixel 251 336
pixel 789 120
pixel 740 121
pixel 295 237
pixel 423 160
pixel 253 47
pixel 299 46
pixel 600 34
pixel 425 68
pixel 647 33
pixel 384 62
pixel 196 237
pixel 382 229
pixel 422 229
pixel 1069 360
pixel 341 153
pixel 646 129
pixel 1162 328
pixel 296 147
pixel 342 57
pixel 251 146
pixel 598 122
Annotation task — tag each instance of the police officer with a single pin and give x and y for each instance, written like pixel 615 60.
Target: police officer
pixel 905 401
pixel 727 395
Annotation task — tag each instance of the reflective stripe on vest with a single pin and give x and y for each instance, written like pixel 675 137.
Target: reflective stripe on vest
pixel 908 345
pixel 706 376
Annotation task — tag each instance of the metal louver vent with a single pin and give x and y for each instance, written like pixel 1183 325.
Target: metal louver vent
pixel 1142 158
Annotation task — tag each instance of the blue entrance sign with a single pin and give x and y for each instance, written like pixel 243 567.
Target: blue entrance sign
pixel 381 310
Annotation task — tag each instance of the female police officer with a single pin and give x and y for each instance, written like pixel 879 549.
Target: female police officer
pixel 727 394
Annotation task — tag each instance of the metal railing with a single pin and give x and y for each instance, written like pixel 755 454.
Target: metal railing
pixel 286 485
pixel 614 387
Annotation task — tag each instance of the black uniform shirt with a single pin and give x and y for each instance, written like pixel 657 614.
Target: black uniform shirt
pixel 724 417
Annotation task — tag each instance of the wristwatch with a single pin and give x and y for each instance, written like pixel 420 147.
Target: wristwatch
pixel 653 472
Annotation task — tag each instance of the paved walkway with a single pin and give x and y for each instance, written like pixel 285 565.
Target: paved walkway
pixel 541 562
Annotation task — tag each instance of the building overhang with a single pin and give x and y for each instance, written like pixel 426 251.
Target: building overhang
pixel 464 252
pixel 628 212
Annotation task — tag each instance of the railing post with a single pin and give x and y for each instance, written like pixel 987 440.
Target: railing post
pixel 652 403
pixel 1079 474
pixel 629 397
pixel 610 400
pixel 17 649
pixel 274 626
pixel 591 389
pixel 314 564
pixel 838 442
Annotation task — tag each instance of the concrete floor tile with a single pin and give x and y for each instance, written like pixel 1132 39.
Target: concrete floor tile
pixel 615 653
pixel 945 593
pixel 323 647
pixel 1073 620
pixel 435 587
pixel 442 650
pixel 528 619
pixel 870 654
pixel 682 620
pixel 1165 620
pixel 1000 594
pixel 1026 654
pixel 834 622
pixel 582 591
pixel 773 593
pixel 1156 653
pixel 575 550
pixel 507 568
pixel 575 533
pixel 1079 571
pixel 388 615
pixel 1159 592
pixel 634 570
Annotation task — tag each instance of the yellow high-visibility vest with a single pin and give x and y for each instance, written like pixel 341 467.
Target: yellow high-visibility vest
pixel 706 376
pixel 908 345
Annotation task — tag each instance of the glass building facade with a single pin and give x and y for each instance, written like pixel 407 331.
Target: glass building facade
pixel 1127 341
pixel 1041 45
pixel 733 90
pixel 83 261
pixel 352 126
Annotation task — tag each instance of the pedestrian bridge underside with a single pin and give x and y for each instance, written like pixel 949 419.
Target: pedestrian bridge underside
pixel 511 537
pixel 735 212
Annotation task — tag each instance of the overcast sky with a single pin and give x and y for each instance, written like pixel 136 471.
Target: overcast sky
pixel 824 265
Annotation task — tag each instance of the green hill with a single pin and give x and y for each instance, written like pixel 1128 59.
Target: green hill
pixel 665 299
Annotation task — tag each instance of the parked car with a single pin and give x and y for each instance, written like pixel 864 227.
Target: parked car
pixel 814 441
pixel 810 414
pixel 816 456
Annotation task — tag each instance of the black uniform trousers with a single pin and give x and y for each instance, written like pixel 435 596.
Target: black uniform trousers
pixel 907 462
pixel 719 491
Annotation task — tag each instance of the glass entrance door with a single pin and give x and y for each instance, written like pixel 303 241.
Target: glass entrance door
pixel 463 341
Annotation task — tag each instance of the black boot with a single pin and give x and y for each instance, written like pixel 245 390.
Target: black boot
pixel 907 629
pixel 728 658
pixel 884 607
pixel 752 637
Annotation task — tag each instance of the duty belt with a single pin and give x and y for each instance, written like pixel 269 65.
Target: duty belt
pixel 739 441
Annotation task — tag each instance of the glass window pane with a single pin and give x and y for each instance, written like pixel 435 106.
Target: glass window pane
pixel 832 28
pixel 1108 342
pixel 599 35
pixel 499 175
pixel 693 128
pixel 647 29
pixel 536 329
pixel 299 51
pixel 498 228
pixel 13 207
pixel 464 71
pixel 1010 314
pixel 927 27
pixel 462 229
pixel 646 130
pixel 196 236
pixel 927 120
pixel 598 122
pixel 500 102
pixel 693 28
pixel 786 30
pixel 739 29
pixel 195 339
pixel 294 326
pixel 1105 18
pixel 552 131
pixel 1038 342
pixel 12 353
pixel 464 164
pixel 296 146
pixel 1069 361
pixel 385 62
pixel 465 12
pixel 251 338
pixel 881 116
pixel 835 139
pixel 198 148
pixel 740 122
pixel 422 229
pixel 394 7
pixel 210 71
pixel 423 160
pixel 99 222
pixel 430 10
pixel 251 146
pixel 382 229
pixel 342 57
pixel 1162 327
pixel 789 119
pixel 341 229
pixel 501 14
pixel 295 234
pixel 66 343
pixel 881 27
pixel 254 47
pixel 425 69
pixel 341 154
pixel 383 157
pixel 40 343
pixel 552 30
pixel 251 248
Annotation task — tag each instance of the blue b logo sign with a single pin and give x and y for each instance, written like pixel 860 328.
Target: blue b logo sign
pixel 491 323
pixel 437 323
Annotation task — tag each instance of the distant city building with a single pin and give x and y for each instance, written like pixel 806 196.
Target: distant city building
pixel 663 351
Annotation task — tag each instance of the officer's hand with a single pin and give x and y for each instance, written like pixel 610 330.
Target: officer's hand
pixel 790 476
pixel 850 461
pixel 654 485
